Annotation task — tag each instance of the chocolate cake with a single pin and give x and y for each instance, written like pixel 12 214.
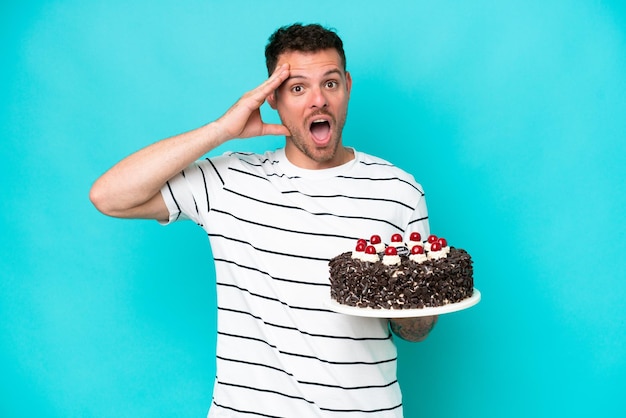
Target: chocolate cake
pixel 411 275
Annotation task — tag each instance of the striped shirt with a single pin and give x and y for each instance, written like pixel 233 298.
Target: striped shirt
pixel 273 227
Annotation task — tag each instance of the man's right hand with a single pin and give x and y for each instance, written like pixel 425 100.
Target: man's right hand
pixel 243 119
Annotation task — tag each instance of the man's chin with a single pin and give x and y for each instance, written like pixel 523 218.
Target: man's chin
pixel 319 153
pixel 323 155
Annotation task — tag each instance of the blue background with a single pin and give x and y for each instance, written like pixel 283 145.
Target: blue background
pixel 512 114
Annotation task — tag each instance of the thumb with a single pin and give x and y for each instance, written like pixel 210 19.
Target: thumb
pixel 275 129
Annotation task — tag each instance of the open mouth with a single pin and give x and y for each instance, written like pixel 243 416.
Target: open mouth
pixel 320 130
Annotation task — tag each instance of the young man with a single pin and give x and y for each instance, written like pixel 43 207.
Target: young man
pixel 274 221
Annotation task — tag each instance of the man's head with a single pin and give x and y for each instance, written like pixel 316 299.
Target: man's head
pixel 313 101
pixel 302 38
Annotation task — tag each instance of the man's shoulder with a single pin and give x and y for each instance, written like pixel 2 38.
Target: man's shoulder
pixel 372 160
pixel 233 158
pixel 374 163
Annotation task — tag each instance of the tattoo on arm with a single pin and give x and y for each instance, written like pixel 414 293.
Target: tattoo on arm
pixel 413 329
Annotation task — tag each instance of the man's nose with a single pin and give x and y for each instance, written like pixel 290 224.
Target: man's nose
pixel 318 98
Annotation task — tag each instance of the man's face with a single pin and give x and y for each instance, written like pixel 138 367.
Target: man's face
pixel 313 105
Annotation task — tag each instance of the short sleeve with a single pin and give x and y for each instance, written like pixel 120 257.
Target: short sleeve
pixel 189 194
pixel 173 207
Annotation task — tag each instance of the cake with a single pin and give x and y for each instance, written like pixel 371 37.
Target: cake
pixel 401 275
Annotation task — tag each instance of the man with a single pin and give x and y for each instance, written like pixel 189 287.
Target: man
pixel 274 221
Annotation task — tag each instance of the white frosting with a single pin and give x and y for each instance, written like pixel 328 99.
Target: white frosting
pixel 418 258
pixel 412 244
pixel 391 260
pixel 380 247
pixel 359 255
pixel 372 258
pixel 436 255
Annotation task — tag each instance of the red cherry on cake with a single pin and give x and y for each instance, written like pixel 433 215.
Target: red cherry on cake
pixel 432 239
pixel 415 236
pixel 391 251
pixel 375 239
pixel 370 249
pixel 360 246
pixel 442 242
pixel 435 246
pixel 417 249
pixel 396 238
pixel 361 241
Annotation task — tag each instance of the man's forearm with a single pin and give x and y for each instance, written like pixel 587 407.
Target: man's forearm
pixel 413 329
pixel 137 178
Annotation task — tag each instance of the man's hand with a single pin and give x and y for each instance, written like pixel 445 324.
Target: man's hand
pixel 413 329
pixel 243 119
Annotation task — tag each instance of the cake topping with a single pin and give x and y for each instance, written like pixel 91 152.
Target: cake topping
pixel 391 251
pixel 376 250
pixel 377 242
pixel 435 252
pixel 391 257
pixel 444 245
pixel 370 254
pixel 415 237
pixel 430 241
pixel 417 249
pixel 417 254
pixel 398 243
pixel 359 250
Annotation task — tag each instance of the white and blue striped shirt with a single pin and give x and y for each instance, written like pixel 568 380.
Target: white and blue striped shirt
pixel 273 227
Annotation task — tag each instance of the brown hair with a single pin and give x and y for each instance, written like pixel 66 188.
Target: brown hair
pixel 304 38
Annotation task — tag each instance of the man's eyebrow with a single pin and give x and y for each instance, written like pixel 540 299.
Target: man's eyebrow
pixel 333 71
pixel 326 74
pixel 295 76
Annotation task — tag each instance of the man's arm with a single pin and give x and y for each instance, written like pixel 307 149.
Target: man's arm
pixel 132 187
pixel 413 329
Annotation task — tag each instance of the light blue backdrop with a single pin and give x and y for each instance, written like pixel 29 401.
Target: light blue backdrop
pixel 510 113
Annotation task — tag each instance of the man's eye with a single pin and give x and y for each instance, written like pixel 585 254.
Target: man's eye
pixel 297 89
pixel 331 84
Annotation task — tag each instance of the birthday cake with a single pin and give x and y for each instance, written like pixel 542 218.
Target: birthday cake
pixel 401 275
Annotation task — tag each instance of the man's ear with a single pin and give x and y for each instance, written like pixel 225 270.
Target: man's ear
pixel 271 99
pixel 348 82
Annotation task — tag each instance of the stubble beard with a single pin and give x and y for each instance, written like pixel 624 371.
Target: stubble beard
pixel 309 149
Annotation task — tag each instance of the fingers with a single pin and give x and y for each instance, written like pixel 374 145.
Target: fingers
pixel 275 129
pixel 277 78
pixel 243 119
pixel 272 83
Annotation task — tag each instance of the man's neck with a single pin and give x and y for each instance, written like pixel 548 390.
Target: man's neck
pixel 299 159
